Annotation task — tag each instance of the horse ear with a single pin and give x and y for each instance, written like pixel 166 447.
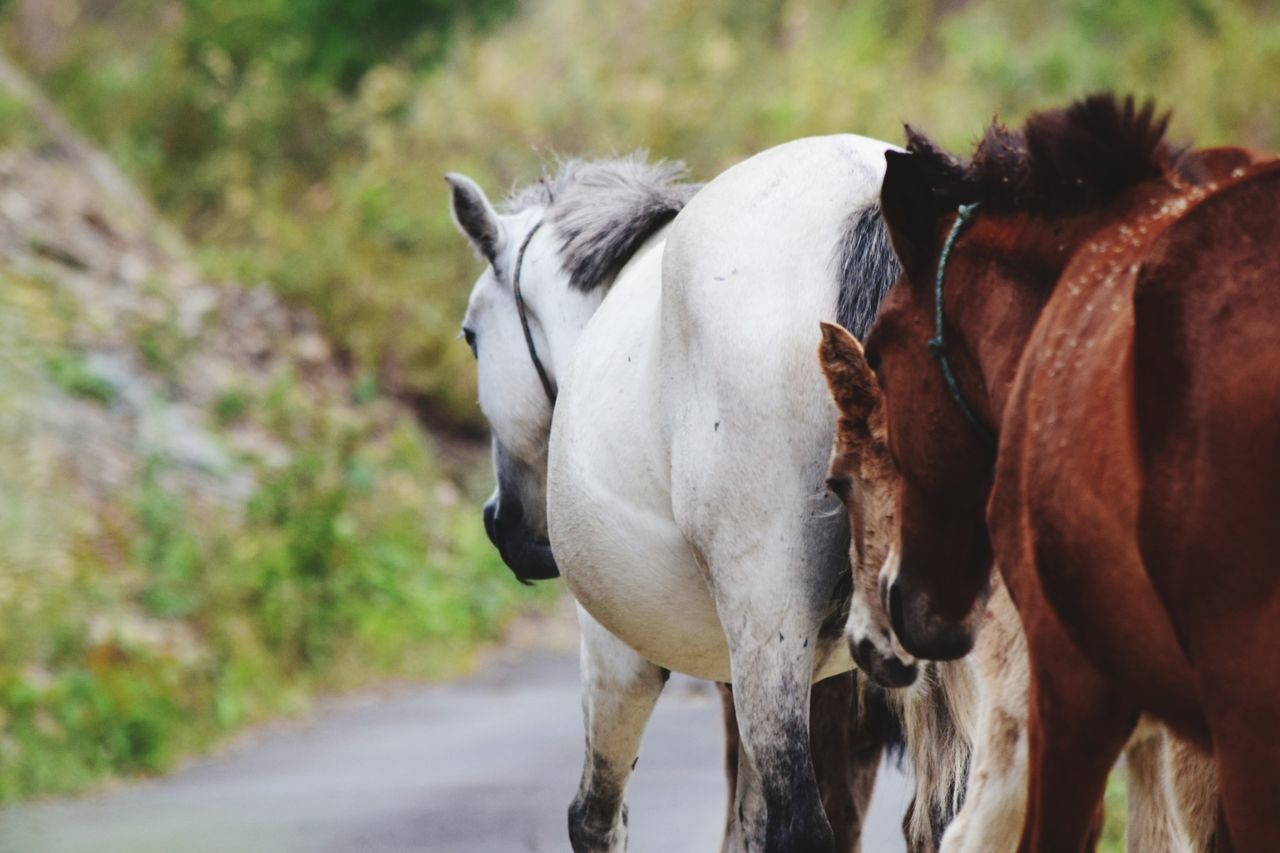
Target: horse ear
pixel 909 209
pixel 852 383
pixel 473 215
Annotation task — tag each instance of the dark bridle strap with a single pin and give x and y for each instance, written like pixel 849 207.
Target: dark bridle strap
pixel 938 345
pixel 524 318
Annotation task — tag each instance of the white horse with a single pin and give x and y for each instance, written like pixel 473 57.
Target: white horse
pixel 680 486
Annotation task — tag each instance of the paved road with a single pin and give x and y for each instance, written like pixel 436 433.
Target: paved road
pixel 485 765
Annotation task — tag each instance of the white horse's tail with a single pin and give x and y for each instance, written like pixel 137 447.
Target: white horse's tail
pixel 866 268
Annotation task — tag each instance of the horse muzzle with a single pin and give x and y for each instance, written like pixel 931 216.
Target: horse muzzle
pixel 921 631
pixel 886 670
pixel 528 556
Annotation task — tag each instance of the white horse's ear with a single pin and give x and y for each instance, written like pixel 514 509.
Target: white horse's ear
pixel 473 215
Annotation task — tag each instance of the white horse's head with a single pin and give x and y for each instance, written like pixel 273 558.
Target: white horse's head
pixel 864 477
pixel 555 247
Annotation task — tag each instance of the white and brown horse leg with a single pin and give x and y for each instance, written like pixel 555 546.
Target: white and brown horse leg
pixel 995 804
pixel 619 690
pixel 732 744
pixel 1190 772
pixel 1173 795
pixel 990 821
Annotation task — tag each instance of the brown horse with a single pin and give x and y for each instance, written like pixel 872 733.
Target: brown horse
pixel 1096 404
pixel 979 703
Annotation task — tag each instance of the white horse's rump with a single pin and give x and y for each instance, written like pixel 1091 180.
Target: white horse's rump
pixel 689 449
pixel 685 497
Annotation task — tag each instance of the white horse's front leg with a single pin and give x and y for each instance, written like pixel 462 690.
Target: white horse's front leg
pixel 619 689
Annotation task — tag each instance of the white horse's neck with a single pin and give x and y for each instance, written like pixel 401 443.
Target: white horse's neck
pixel 562 312
pixel 566 317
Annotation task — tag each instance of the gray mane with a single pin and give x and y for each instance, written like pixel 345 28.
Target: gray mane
pixel 866 268
pixel 604 210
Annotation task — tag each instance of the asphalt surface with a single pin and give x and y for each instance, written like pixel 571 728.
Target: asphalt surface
pixel 483 765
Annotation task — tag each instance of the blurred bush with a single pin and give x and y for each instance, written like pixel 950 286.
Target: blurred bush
pixel 334 579
pixel 142 625
pixel 301 142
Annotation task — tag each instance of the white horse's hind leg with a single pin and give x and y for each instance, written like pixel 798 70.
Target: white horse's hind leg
pixel 772 656
pixel 619 689
pixel 748 803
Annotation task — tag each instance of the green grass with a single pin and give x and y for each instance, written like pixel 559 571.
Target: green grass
pixel 231 406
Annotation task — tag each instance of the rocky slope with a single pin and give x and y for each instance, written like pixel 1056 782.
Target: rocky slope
pixel 202 515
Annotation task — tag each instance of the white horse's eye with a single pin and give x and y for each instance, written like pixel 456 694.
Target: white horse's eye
pixel 470 337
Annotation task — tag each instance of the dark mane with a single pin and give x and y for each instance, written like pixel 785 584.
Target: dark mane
pixel 604 210
pixel 1062 160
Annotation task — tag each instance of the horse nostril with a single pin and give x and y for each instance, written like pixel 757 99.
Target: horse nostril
pixel 865 653
pixel 896 616
pixel 491 520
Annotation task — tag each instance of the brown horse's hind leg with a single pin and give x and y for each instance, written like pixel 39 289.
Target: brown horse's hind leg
pixel 732 743
pixel 1078 727
pixel 846 747
pixel 1243 717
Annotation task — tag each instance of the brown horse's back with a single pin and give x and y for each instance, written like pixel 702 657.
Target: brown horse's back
pixel 1068 483
pixel 1229 161
pixel 1149 401
pixel 1207 367
pixel 1207 357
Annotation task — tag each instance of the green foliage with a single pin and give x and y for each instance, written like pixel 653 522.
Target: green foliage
pixel 162 345
pixel 1115 804
pixel 351 562
pixel 142 618
pixel 231 406
pixel 167 550
pixel 302 142
pixel 330 42
pixel 15 119
pixel 74 376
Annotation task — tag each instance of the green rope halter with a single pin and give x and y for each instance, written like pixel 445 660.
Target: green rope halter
pixel 937 345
